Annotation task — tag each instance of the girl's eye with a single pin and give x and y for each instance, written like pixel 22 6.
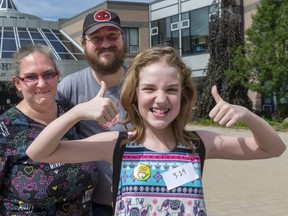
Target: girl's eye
pixel 147 89
pixel 172 90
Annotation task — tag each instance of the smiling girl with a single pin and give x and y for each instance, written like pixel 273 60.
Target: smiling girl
pixel 162 163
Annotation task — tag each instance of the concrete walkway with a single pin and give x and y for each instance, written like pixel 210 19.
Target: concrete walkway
pixel 250 188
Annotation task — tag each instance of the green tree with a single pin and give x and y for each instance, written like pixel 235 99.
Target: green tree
pixel 225 33
pixel 263 59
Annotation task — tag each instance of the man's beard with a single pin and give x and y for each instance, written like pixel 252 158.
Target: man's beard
pixel 111 65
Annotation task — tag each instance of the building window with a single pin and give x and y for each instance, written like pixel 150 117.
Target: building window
pixel 165 31
pixel 154 31
pixel 194 26
pixel 174 26
pixel 8 42
pixel 65 48
pixel 185 24
pixel 132 40
pixel 195 38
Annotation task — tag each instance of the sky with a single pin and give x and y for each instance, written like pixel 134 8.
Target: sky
pixel 55 9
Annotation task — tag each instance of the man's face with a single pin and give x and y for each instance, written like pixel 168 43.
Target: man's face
pixel 105 50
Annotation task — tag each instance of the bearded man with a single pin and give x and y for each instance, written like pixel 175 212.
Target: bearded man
pixel 105 50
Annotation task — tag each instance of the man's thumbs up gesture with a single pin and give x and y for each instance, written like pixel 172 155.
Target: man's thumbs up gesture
pixel 227 114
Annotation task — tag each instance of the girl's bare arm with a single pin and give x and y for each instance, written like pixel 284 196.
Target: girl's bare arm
pixel 264 142
pixel 48 147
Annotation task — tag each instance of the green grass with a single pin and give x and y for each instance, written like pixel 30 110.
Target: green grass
pixel 278 126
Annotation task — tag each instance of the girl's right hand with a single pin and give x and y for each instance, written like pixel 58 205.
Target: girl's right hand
pixel 99 108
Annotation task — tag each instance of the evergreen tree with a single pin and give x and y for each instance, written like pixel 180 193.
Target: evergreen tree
pixel 263 59
pixel 225 33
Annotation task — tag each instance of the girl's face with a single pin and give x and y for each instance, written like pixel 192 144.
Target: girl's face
pixel 158 95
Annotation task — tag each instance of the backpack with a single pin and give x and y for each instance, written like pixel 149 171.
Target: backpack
pixel 117 160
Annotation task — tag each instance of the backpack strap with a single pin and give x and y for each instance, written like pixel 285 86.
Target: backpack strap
pixel 117 160
pixel 200 149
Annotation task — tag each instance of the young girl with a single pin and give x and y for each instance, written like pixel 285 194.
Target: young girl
pixel 162 162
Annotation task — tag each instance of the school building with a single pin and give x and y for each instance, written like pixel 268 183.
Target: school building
pixel 183 24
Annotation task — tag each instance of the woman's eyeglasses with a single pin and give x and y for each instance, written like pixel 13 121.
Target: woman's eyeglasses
pixel 97 40
pixel 33 78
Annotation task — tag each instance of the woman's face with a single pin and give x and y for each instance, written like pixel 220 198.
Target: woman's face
pixel 40 93
pixel 159 95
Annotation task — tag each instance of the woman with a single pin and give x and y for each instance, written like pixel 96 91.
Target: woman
pixel 161 167
pixel 26 187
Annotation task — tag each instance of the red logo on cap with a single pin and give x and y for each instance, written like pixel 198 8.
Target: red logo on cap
pixel 102 16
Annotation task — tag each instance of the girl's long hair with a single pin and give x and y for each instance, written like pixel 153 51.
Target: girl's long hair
pixel 188 94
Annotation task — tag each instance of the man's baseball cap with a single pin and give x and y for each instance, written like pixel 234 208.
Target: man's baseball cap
pixel 99 19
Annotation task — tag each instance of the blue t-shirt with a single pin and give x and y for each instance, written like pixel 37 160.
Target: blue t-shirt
pixel 81 87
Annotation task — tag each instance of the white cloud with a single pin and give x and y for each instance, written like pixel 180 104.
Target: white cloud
pixel 54 9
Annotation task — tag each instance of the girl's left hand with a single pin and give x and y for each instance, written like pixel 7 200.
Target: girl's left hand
pixel 227 114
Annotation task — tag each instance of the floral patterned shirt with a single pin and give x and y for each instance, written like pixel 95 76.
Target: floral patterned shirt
pixel 31 188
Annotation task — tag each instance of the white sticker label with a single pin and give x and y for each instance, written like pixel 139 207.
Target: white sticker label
pixel 179 176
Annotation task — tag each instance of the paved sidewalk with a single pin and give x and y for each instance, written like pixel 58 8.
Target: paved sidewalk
pixel 250 188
